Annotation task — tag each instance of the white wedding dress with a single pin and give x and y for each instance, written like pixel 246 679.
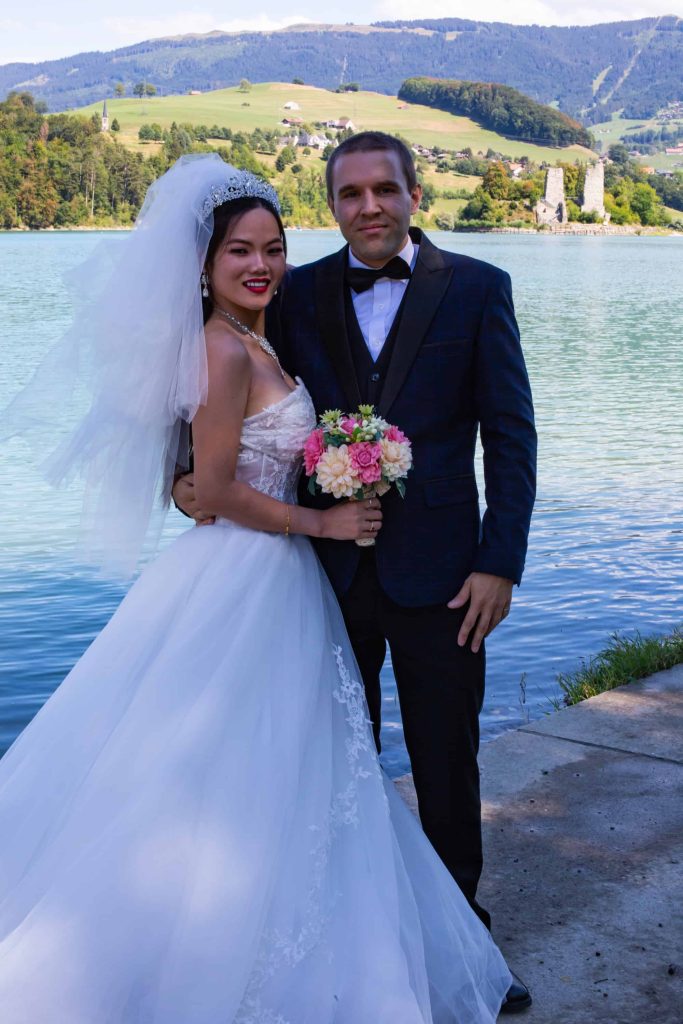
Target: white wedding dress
pixel 195 828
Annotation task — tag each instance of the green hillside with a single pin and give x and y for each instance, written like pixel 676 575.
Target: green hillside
pixel 620 129
pixel 263 107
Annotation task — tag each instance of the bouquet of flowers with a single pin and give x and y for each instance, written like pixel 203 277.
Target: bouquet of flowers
pixel 356 455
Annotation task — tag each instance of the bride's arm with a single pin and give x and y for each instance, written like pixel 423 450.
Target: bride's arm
pixel 216 431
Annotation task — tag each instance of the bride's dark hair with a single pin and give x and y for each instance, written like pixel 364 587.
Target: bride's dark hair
pixel 223 216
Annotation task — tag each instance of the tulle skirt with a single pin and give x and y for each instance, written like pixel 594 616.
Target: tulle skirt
pixel 195 828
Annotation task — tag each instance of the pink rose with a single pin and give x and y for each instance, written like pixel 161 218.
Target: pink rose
pixel 394 434
pixel 349 425
pixel 313 450
pixel 366 461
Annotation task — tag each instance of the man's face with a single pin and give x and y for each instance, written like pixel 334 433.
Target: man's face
pixel 372 204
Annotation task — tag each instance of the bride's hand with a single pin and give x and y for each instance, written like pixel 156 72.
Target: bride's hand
pixel 184 496
pixel 353 520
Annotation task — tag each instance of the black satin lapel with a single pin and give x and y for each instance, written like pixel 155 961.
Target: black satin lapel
pixel 428 285
pixel 331 322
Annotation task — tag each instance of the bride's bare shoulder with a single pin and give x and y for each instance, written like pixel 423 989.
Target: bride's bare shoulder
pixel 225 349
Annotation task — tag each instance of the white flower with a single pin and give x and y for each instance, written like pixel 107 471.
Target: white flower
pixel 335 474
pixel 397 458
pixel 376 423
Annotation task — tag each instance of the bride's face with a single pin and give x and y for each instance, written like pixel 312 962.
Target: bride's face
pixel 249 263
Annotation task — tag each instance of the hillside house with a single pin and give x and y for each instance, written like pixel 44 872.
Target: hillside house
pixel 313 141
pixel 291 105
pixel 340 123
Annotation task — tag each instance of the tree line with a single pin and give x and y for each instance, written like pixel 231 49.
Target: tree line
pixel 498 108
pixel 62 170
pixel 631 196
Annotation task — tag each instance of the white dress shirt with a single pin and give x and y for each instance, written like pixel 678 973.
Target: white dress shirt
pixel 377 307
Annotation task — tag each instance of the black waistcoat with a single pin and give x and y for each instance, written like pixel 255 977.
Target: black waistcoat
pixel 369 374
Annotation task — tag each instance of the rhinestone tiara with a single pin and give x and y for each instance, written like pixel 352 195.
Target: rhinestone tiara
pixel 238 186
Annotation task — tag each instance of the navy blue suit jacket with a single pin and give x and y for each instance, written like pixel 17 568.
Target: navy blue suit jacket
pixel 457 366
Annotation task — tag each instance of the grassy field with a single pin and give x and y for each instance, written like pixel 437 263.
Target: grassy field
pixel 263 107
pixel 610 132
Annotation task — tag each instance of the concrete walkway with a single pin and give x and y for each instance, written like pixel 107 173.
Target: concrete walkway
pixel 583 833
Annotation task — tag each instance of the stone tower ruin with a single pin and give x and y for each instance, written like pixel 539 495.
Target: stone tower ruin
pixel 552 208
pixel 594 191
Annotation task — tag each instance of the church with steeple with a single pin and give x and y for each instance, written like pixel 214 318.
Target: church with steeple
pixel 105 118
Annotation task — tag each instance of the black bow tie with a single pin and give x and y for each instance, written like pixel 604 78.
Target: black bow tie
pixel 360 278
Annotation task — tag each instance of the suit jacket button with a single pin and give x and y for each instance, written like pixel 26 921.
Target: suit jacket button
pixel 374 378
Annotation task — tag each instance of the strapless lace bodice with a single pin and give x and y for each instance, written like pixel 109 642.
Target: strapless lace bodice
pixel 272 442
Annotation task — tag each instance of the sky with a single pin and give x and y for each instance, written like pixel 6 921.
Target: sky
pixel 42 30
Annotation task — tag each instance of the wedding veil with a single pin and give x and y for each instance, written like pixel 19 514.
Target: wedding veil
pixel 135 351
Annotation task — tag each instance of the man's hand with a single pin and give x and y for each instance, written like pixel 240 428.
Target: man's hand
pixel 184 497
pixel 490 598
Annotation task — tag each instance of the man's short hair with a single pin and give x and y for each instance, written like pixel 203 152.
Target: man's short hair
pixel 367 142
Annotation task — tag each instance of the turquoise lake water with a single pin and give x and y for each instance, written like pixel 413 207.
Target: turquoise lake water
pixel 602 327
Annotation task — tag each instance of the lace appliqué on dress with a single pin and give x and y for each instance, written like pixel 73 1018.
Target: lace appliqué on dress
pixel 279 951
pixel 271 445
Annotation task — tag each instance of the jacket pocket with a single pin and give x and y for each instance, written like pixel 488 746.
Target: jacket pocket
pixel 444 342
pixel 451 490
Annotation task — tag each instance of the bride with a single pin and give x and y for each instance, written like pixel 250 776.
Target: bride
pixel 195 828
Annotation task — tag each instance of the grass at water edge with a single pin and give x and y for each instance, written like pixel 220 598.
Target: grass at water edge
pixel 624 660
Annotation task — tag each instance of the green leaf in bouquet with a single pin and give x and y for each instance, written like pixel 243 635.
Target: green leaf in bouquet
pixel 312 484
pixel 401 488
pixel 366 411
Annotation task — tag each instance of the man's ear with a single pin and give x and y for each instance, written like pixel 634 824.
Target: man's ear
pixel 415 198
pixel 330 203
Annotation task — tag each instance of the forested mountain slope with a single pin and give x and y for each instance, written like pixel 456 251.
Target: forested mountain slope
pixel 587 72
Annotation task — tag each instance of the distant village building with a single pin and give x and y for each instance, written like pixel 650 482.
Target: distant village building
pixel 195 92
pixel 425 152
pixel 552 208
pixel 312 141
pixel 291 105
pixel 105 118
pixel 340 123
pixel 292 120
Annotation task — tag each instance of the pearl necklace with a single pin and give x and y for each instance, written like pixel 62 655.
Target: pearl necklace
pixel 243 329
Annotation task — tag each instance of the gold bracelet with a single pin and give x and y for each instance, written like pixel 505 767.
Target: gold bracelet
pixel 288 520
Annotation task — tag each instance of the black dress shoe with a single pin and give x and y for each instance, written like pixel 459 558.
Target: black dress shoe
pixel 518 997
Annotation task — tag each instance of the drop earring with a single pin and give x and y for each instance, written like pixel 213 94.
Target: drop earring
pixel 205 285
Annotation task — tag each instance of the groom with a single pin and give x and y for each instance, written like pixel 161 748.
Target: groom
pixel 430 339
